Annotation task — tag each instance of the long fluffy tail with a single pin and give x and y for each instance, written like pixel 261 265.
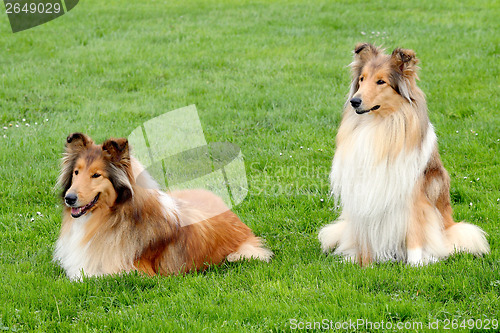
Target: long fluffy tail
pixel 252 248
pixel 465 237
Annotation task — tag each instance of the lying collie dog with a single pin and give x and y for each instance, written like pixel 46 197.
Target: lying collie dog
pixel 112 224
pixel 387 174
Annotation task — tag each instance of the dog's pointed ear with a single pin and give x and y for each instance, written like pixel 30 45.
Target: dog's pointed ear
pixel 116 149
pixel 75 142
pixel 404 61
pixel 365 51
pixel 120 173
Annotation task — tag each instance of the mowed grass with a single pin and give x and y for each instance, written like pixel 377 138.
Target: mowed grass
pixel 270 77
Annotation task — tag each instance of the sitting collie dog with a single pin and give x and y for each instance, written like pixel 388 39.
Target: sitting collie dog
pixel 387 174
pixel 112 224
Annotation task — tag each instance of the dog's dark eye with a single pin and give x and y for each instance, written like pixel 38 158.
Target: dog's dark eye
pixel 380 82
pixel 76 172
pixel 96 175
pixel 361 79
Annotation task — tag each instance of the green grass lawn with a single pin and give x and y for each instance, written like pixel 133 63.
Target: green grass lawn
pixel 270 77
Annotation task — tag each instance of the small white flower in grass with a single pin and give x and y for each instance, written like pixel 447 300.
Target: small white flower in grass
pixel 281 154
pixel 457 131
pixel 363 33
pixel 301 147
pixel 477 134
pixel 321 200
pixel 39 213
pixel 46 120
pixel 477 179
pixel 32 219
pixel 24 119
pixel 36 123
pixel 5 127
pixel 498 200
pixel 470 204
pixel 17 125
pixel 27 124
pixel 4 136
pixel 290 156
pixel 465 177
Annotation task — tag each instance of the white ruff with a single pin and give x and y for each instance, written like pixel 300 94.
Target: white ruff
pixel 376 196
pixel 70 252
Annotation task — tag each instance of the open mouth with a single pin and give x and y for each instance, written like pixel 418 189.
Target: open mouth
pixel 79 211
pixel 376 107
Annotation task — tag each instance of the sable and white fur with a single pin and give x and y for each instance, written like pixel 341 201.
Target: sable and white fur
pixel 387 173
pixel 117 220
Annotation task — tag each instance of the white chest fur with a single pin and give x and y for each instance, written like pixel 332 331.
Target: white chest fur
pixel 70 252
pixel 376 195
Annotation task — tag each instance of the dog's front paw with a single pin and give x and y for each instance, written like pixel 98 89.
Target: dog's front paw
pixel 415 257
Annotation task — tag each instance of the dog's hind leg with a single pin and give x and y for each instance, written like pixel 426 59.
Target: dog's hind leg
pixel 460 237
pixel 415 237
pixel 425 239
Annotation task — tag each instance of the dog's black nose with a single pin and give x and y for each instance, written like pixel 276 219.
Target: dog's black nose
pixel 70 199
pixel 356 102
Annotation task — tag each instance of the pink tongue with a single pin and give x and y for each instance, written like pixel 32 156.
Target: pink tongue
pixel 75 211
